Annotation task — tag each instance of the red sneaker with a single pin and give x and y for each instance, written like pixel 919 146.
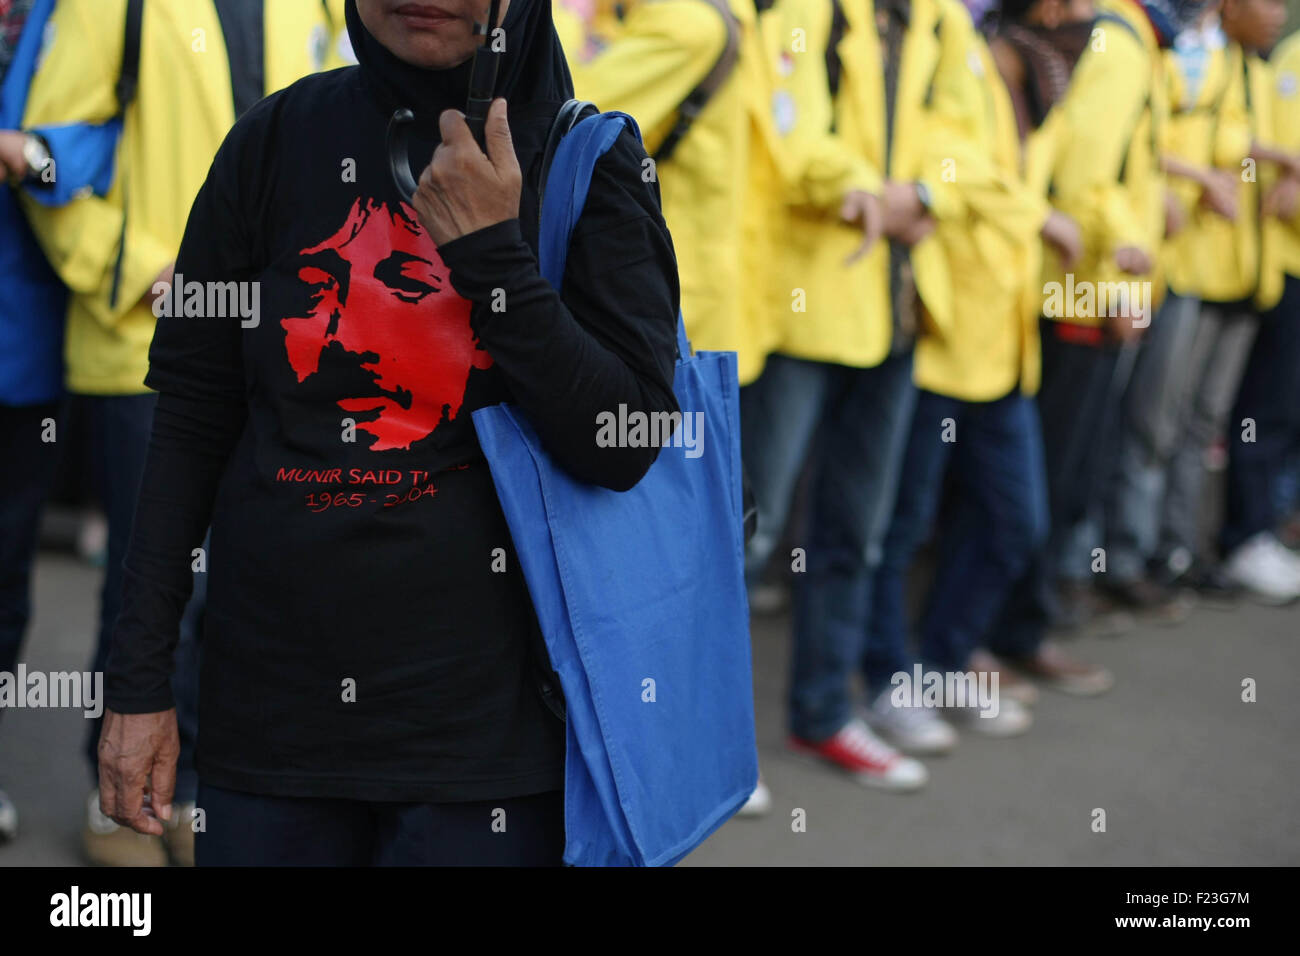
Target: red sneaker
pixel 866 757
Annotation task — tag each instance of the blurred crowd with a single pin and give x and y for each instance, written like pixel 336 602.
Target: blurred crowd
pixel 1014 287
pixel 1007 279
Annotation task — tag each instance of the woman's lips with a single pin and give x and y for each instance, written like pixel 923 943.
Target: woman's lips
pixel 418 16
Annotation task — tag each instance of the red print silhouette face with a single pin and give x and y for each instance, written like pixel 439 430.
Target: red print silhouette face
pixel 383 303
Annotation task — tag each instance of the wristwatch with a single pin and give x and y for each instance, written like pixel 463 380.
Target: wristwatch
pixel 37 154
pixel 923 194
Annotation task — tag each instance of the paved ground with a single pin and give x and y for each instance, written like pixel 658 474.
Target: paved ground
pixel 1186 772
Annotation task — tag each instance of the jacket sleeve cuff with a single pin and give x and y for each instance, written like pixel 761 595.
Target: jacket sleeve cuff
pixel 155 703
pixel 482 260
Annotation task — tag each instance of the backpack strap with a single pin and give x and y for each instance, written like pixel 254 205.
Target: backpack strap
pixel 1107 16
pixel 564 190
pixel 128 80
pixel 834 66
pixel 698 98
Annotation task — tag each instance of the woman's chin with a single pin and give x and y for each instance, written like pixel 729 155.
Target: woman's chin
pixel 431 52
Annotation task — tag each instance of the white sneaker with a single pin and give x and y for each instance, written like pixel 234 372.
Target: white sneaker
pixel 1011 719
pixel 1257 565
pixel 914 730
pixel 1285 555
pixel 759 802
pixel 8 818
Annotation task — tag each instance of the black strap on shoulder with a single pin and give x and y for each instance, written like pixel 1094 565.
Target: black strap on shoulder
pixel 1107 17
pixel 128 80
pixel 698 98
pixel 568 116
pixel 834 67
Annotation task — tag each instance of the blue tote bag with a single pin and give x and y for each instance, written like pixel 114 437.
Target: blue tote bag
pixel 640 594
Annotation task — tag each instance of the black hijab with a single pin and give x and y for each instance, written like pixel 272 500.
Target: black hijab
pixel 533 68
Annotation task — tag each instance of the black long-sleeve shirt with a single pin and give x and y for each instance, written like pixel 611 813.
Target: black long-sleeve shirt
pixel 367 623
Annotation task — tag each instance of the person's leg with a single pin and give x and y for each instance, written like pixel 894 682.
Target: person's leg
pixel 779 414
pixel 1153 411
pixel 25 476
pixel 1076 386
pixel 1270 397
pixel 26 470
pixel 120 426
pixel 1224 339
pixel 1002 476
pixel 919 488
pixel 858 459
pixel 515 831
pixel 247 829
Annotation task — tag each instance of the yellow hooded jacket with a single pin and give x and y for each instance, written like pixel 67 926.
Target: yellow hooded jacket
pixel 1209 130
pixel 720 185
pixel 1098 157
pixel 181 114
pixel 847 313
pixel 1283 238
pixel 1235 264
pixel 995 259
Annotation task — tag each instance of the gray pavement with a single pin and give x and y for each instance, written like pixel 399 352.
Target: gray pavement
pixel 1187 773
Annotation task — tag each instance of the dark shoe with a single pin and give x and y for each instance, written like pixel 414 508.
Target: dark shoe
pixel 1152 601
pixel 1076 605
pixel 1067 674
pixel 1210 585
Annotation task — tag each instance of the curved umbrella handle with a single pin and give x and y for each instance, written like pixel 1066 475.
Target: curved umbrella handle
pixel 399 161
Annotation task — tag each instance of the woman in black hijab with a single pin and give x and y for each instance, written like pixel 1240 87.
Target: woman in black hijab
pixel 372 689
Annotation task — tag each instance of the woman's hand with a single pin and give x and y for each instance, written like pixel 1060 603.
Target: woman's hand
pixel 463 190
pixel 137 768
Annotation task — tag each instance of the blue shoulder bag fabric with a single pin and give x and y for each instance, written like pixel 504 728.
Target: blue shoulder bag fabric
pixel 640 594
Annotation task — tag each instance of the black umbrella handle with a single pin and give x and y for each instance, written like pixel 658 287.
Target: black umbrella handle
pixel 482 89
pixel 483 78
pixel 399 153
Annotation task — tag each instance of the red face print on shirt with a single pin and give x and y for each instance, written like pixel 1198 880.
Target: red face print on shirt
pixel 382 294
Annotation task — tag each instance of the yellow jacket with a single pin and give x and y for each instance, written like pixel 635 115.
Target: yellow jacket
pixel 178 119
pixel 994 257
pixel 1208 130
pixel 1282 239
pixel 1098 155
pixel 848 313
pixel 1233 265
pixel 720 185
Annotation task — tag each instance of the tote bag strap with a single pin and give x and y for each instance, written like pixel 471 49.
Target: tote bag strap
pixel 568 178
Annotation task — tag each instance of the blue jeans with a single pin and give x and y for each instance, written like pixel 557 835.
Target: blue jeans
pixel 120 426
pixel 1073 404
pixel 995 454
pixel 860 419
pixel 779 415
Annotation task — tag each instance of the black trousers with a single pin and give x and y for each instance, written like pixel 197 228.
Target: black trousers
pixel 245 829
pixel 26 469
pixel 1270 396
